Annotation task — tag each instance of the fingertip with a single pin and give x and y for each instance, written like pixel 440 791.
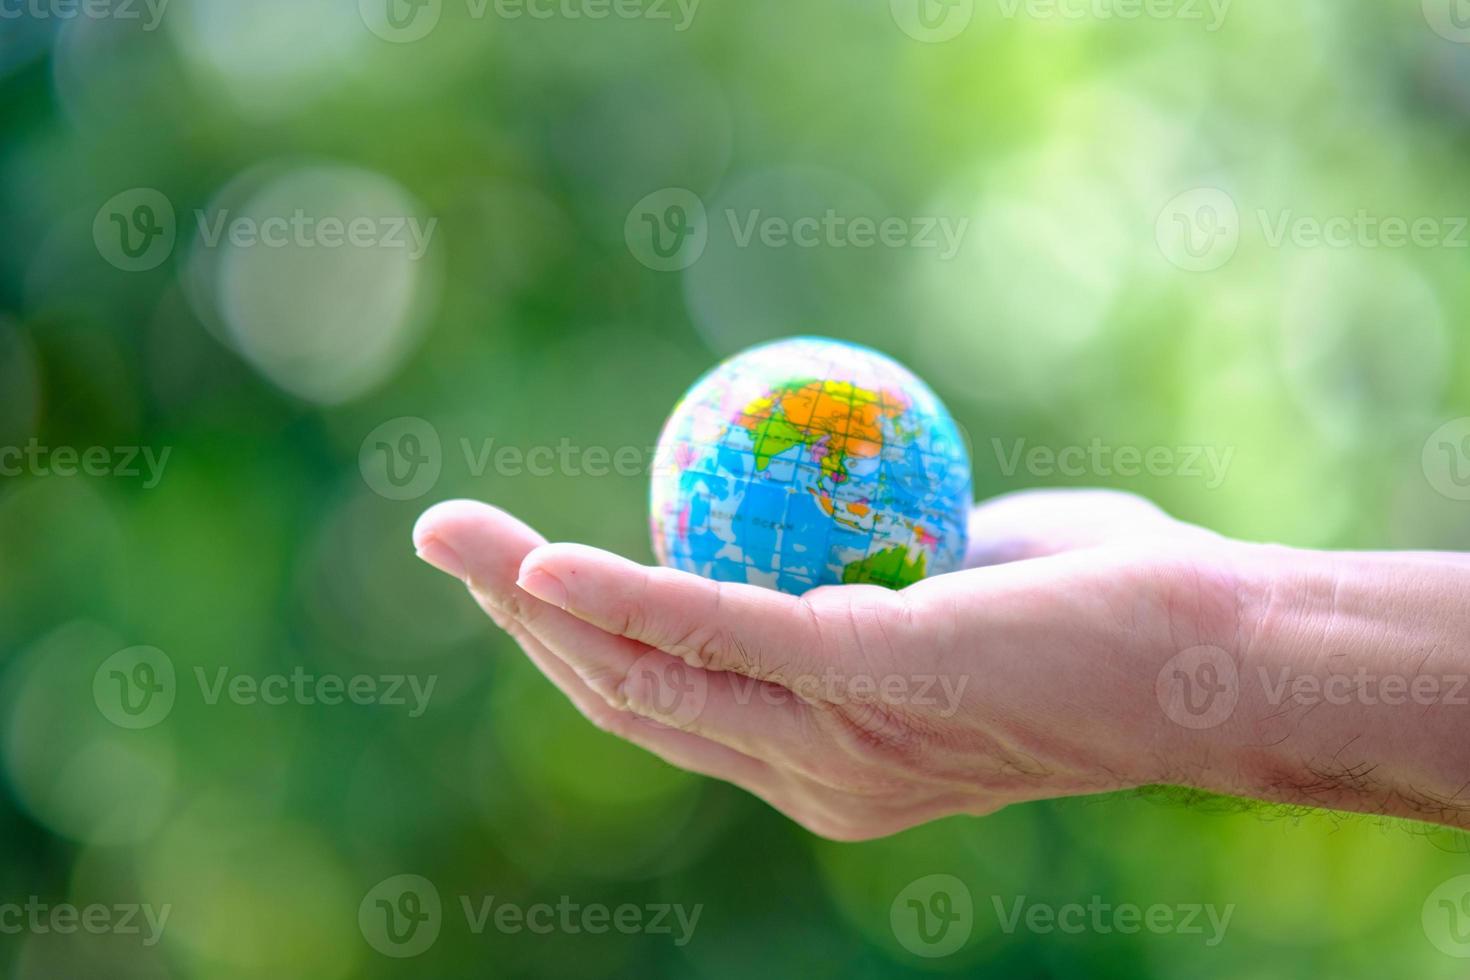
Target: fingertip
pixel 447 519
pixel 564 559
pixel 479 544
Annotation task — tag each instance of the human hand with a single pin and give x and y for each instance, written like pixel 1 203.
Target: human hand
pixel 858 711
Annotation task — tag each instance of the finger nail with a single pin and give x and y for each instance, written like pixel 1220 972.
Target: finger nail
pixel 544 586
pixel 442 557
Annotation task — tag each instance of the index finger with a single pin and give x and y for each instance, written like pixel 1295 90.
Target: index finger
pixel 723 626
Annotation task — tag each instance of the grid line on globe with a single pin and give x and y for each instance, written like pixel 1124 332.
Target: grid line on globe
pixel 811 462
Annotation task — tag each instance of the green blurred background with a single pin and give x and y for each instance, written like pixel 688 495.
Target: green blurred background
pixel 272 541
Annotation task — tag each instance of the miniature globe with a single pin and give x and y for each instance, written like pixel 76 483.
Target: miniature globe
pixel 810 462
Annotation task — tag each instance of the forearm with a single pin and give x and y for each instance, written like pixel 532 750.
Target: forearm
pixel 1353 686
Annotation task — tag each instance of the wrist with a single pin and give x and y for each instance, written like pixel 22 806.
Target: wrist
pixel 1345 685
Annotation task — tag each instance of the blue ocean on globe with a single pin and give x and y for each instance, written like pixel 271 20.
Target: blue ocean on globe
pixel 809 462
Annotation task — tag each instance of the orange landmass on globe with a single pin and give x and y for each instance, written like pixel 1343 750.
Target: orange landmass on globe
pixel 836 419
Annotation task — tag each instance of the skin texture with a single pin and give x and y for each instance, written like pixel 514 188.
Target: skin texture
pixel 1093 644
